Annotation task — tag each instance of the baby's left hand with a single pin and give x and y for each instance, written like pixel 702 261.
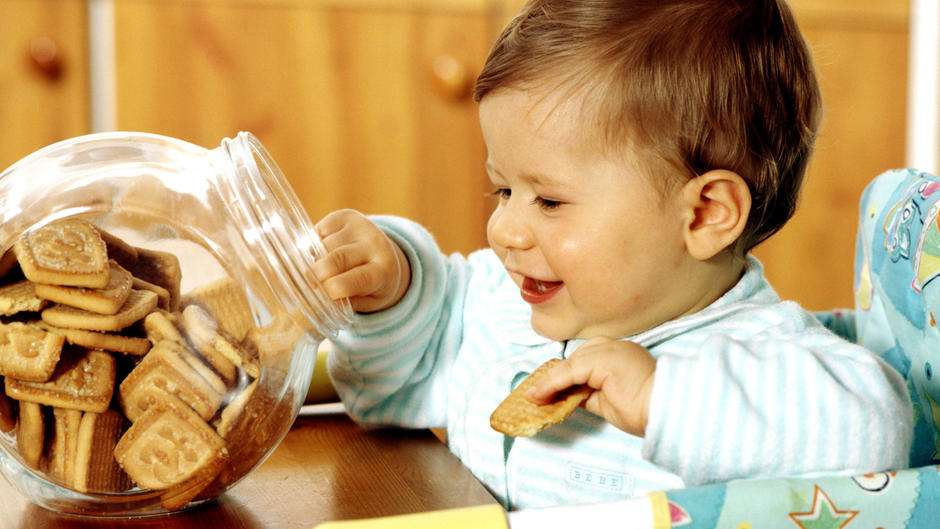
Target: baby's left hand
pixel 619 372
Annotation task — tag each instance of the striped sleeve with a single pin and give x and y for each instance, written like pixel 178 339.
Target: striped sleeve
pixel 389 366
pixel 774 406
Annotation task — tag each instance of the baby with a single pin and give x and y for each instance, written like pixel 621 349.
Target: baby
pixel 638 150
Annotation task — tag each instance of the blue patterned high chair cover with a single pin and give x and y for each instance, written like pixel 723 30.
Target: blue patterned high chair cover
pixel 897 308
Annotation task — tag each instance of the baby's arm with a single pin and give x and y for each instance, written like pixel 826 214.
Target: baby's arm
pixel 619 372
pixel 361 262
pixel 775 407
pixel 391 366
pixel 736 409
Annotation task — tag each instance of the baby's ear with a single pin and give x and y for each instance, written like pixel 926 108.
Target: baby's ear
pixel 717 204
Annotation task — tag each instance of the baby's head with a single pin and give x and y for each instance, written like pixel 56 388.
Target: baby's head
pixel 689 86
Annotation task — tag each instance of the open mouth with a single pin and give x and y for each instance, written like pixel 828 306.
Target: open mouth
pixel 536 291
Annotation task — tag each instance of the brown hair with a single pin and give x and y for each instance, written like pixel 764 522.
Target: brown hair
pixel 695 84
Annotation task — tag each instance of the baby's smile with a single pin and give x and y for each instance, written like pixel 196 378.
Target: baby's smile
pixel 536 291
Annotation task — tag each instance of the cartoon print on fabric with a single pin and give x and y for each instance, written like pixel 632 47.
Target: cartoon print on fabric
pixel 906 214
pixel 678 516
pixel 903 276
pixel 904 211
pixel 823 515
pixel 927 254
pixel 875 483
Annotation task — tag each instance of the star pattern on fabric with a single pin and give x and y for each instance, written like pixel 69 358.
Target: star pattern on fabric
pixel 823 515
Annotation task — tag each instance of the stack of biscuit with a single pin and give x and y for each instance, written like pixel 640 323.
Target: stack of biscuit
pixel 113 379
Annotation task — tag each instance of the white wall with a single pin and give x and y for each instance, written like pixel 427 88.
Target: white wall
pixel 923 121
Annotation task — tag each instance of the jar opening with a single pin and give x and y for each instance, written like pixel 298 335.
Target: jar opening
pixel 285 230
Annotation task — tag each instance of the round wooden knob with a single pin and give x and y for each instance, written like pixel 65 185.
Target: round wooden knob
pixel 451 77
pixel 45 57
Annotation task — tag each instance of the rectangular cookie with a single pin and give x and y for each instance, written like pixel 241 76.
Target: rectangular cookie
pixel 167 370
pixel 96 469
pixel 118 343
pixel 139 303
pixel 28 353
pixel 226 301
pixel 107 300
pixel 163 295
pixel 232 412
pixel 118 249
pixel 62 450
pixel 9 268
pixel 162 269
pixel 517 416
pixel 20 296
pixel 167 445
pixel 83 380
pixel 66 252
pixel 7 413
pixel 215 345
pixel 161 325
pixel 30 433
pixel 274 340
pixel 179 495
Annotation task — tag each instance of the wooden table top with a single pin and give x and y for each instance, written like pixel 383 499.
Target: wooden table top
pixel 327 468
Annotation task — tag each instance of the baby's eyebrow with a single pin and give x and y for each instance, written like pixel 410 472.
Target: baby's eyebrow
pixel 529 177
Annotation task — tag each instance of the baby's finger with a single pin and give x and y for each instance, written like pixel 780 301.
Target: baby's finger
pixel 354 283
pixel 335 221
pixel 559 378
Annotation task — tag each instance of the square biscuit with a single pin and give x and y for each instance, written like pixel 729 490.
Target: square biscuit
pixel 9 267
pixel 161 269
pixel 67 252
pixel 7 413
pixel 124 343
pixel 179 495
pixel 167 445
pixel 118 249
pixel 64 444
pixel 274 340
pixel 517 416
pixel 107 300
pixel 163 295
pixel 215 345
pixel 83 380
pixel 28 353
pixel 161 325
pixel 96 470
pixel 30 433
pixel 139 303
pixel 20 296
pixel 170 369
pixel 232 412
pixel 226 301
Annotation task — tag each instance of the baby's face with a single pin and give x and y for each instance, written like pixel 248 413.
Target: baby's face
pixel 594 247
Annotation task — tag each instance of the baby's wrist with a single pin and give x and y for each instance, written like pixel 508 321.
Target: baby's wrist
pixel 403 281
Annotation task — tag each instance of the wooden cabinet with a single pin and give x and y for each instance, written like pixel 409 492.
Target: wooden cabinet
pixel 364 104
pixel 43 75
pixel 861 50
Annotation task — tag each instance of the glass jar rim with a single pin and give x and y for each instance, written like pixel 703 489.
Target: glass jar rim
pixel 286 229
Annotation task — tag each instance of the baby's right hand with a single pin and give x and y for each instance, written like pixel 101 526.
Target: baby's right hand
pixel 361 262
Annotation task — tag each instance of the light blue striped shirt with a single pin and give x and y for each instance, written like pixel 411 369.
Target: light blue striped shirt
pixel 748 387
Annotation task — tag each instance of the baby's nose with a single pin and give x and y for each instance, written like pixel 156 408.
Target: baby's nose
pixel 508 229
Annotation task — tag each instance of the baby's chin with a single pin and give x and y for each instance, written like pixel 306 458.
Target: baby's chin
pixel 559 332
pixel 552 331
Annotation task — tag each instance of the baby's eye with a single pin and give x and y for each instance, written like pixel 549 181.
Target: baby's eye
pixel 547 204
pixel 502 193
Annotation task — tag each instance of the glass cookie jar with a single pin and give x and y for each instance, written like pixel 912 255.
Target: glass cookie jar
pixel 201 384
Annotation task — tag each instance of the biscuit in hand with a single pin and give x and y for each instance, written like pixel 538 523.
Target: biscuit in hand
pixel 517 416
